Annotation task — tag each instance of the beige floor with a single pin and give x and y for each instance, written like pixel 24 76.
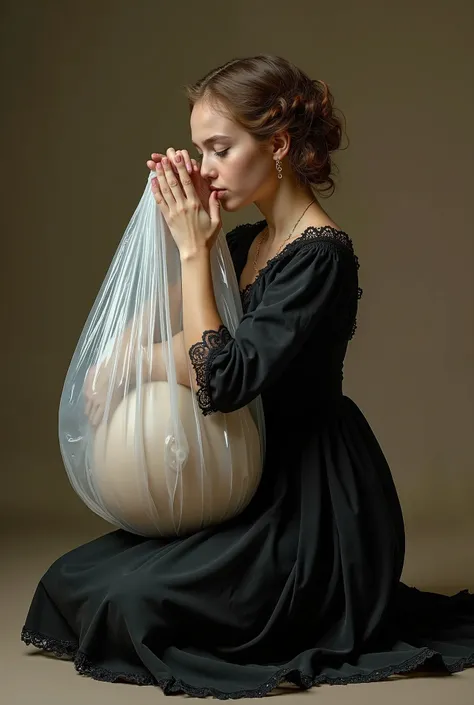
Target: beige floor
pixel 28 676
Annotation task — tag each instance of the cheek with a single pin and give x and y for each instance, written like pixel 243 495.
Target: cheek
pixel 237 167
pixel 246 170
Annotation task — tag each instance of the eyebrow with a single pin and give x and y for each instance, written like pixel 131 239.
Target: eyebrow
pixel 214 138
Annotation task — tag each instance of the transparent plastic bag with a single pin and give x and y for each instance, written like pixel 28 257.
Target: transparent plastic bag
pixel 147 460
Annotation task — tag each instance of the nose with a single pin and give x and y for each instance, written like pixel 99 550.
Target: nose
pixel 207 172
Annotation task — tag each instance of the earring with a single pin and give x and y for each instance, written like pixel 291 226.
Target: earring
pixel 279 168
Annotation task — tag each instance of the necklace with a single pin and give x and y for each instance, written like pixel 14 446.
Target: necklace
pixel 266 236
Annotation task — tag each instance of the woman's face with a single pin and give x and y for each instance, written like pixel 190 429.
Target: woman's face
pixel 234 161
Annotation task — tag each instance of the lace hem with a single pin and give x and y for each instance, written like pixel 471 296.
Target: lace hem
pixel 58 647
pixel 201 355
pixel 173 686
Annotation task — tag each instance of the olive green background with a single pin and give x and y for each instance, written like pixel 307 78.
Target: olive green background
pixel 90 89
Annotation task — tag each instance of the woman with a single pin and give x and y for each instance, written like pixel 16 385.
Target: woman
pixel 304 586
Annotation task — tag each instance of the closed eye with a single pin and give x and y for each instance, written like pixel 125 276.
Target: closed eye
pixel 221 155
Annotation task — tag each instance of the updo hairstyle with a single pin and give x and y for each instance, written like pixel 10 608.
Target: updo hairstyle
pixel 267 94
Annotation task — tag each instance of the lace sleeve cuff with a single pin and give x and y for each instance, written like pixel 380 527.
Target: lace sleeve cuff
pixel 201 355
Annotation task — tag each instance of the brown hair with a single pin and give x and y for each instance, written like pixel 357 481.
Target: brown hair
pixel 267 94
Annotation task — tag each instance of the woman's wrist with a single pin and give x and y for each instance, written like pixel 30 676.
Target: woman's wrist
pixel 194 255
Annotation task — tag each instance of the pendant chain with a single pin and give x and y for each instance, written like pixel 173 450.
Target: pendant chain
pixel 264 239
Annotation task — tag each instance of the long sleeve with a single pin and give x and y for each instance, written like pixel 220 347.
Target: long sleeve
pixel 232 371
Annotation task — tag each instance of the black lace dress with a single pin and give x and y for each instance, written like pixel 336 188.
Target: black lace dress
pixel 304 586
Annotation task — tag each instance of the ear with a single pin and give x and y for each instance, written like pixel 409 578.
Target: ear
pixel 281 144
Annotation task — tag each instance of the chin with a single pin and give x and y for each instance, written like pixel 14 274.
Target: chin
pixel 231 205
pixel 225 206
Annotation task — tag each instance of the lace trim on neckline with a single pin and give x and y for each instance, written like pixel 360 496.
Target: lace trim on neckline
pixel 312 232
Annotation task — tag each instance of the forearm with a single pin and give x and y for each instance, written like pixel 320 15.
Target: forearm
pixel 199 314
pixel 141 331
pixel 199 304
pixel 142 321
pixel 157 373
pixel 121 348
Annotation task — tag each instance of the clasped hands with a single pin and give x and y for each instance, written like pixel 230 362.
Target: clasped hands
pixel 190 208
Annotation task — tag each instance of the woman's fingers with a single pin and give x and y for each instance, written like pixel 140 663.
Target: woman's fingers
pixel 155 159
pixel 168 188
pixel 185 177
pixel 169 182
pixel 187 160
pixel 171 154
pixel 161 191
